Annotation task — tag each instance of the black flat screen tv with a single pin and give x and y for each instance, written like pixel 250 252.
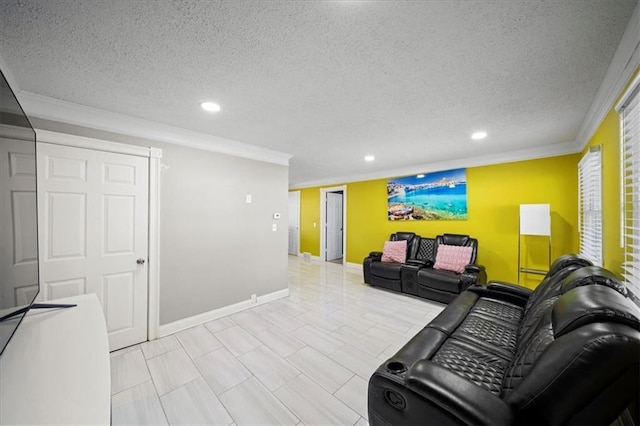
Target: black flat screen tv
pixel 19 279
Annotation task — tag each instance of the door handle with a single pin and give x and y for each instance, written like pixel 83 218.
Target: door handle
pixel 140 261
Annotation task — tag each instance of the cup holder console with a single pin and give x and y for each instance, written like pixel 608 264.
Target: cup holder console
pixel 396 367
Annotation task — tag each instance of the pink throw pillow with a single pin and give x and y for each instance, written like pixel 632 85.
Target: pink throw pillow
pixel 395 251
pixel 452 258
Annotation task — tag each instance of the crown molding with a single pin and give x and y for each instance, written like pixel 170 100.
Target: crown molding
pixel 16 132
pixel 624 63
pixel 66 112
pixel 46 136
pixel 544 151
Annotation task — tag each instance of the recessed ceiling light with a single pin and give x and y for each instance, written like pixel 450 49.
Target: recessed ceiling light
pixel 210 106
pixel 369 158
pixel 478 135
pixel 420 176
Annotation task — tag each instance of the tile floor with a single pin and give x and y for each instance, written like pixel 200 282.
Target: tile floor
pixel 305 359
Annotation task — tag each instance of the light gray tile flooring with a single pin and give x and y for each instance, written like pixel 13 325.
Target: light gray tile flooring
pixel 302 360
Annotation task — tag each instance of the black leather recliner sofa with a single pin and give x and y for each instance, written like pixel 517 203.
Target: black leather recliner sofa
pixel 500 354
pixel 417 275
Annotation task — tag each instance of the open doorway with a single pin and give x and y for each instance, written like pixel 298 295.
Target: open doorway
pixel 333 212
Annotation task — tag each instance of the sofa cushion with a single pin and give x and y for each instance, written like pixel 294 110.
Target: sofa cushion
pixel 386 270
pixel 453 258
pixel 394 251
pixel 492 334
pixel 439 279
pixel 483 368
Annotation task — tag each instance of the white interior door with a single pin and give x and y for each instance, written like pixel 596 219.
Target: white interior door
pixel 334 225
pixel 18 260
pixel 294 222
pixel 93 226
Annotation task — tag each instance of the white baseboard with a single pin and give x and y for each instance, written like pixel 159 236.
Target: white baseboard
pixel 353 265
pixel 183 324
pixel 309 256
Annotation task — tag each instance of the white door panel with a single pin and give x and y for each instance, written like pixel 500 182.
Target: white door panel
pixel 334 225
pixel 17 223
pixel 93 228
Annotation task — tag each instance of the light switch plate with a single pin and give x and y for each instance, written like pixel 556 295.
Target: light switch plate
pixel 274 227
pixel 248 198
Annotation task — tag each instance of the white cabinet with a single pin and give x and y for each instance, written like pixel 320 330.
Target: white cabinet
pixel 55 369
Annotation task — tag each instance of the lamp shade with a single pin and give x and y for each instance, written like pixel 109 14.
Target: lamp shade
pixel 535 219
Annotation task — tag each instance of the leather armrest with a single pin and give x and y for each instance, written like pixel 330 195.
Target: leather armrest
pixel 376 254
pixel 502 290
pixel 462 398
pixel 474 268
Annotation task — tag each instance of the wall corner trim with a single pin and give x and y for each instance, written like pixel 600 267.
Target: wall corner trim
pixel 67 112
pixel 183 324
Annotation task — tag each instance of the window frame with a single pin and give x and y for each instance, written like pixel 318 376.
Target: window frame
pixel 590 205
pixel 628 109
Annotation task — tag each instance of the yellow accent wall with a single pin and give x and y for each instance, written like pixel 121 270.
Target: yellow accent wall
pixel 310 221
pixel 494 194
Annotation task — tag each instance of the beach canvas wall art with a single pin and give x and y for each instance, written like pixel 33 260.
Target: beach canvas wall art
pixel 431 196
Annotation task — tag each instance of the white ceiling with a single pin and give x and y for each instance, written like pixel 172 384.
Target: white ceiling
pixel 327 81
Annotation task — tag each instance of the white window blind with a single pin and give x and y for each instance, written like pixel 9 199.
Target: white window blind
pixel 629 109
pixel 590 205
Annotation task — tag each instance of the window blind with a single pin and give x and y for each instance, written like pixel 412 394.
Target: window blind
pixel 590 205
pixel 629 110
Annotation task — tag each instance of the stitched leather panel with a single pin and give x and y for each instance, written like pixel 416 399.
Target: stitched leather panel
pixel 426 248
pixel 493 332
pixel 493 308
pixel 528 353
pixel 482 368
pixel 533 317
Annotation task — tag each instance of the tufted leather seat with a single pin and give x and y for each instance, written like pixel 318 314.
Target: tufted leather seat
pixel 444 286
pixel 566 353
pixel 388 274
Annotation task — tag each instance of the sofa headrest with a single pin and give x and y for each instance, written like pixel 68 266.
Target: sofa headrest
pixel 455 239
pixel 593 275
pixel 568 260
pixel 399 236
pixel 592 304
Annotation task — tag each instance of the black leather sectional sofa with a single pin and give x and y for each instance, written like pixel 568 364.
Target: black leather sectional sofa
pixel 417 275
pixel 500 354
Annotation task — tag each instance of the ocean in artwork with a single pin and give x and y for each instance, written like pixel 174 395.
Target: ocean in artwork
pixel 434 196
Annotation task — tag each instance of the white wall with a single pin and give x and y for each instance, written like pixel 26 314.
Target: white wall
pixel 215 249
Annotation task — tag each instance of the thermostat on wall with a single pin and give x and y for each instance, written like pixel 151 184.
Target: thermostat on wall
pixel 276 215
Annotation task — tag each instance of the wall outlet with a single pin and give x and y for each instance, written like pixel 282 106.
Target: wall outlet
pixel 254 299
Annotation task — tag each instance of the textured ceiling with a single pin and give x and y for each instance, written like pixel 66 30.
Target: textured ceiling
pixel 327 81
